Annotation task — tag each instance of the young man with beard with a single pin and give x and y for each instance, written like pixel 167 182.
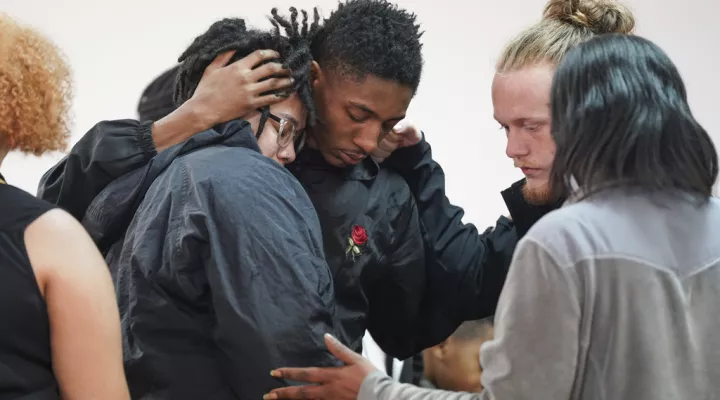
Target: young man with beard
pixel 521 98
pixel 372 234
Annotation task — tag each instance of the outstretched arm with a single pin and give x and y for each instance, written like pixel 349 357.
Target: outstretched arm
pixel 466 268
pixel 107 151
pixel 357 379
pixel 114 148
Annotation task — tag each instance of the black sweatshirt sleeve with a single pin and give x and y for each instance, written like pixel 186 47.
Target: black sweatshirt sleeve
pixel 466 269
pixel 106 152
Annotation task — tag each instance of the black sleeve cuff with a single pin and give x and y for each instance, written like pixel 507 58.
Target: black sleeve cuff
pixel 143 138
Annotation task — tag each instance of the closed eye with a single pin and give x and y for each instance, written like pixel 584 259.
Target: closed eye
pixel 357 118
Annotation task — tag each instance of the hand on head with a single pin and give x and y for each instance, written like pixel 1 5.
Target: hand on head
pixel 334 383
pixel 404 134
pixel 226 92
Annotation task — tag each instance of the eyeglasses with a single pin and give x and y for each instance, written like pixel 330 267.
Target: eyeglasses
pixel 286 133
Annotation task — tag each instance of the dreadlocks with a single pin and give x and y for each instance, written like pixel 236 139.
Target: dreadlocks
pixel 232 34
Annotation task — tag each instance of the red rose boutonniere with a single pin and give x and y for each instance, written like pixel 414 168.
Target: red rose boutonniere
pixel 358 237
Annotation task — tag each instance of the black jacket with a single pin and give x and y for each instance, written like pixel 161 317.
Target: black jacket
pixel 467 268
pixel 214 293
pixel 420 274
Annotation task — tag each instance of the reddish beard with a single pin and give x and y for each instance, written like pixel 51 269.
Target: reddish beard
pixel 537 195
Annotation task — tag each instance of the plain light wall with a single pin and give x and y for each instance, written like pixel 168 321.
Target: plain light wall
pixel 116 48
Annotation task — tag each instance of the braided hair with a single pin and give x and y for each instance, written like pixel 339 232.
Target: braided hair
pixel 232 34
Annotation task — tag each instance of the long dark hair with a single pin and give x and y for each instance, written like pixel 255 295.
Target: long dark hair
pixel 621 119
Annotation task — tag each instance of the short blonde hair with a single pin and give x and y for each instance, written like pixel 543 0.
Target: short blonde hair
pixel 35 91
pixel 565 24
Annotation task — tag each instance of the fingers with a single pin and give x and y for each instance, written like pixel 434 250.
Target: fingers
pixel 393 137
pixel 380 155
pixel 405 133
pixel 298 392
pixel 266 100
pixel 401 126
pixel 383 151
pixel 271 85
pixel 339 350
pixel 379 158
pixel 267 70
pixel 258 56
pixel 220 61
pixel 310 375
pixel 389 143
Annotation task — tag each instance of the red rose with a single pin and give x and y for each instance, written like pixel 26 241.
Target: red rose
pixel 359 235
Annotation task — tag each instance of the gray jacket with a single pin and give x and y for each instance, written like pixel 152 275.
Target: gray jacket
pixel 610 298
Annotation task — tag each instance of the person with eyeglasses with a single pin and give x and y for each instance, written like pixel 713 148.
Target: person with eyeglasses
pixel 287 135
pixel 219 271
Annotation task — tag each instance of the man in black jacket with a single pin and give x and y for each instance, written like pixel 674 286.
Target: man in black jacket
pixel 387 279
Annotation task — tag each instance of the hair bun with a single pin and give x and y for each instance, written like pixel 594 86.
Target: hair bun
pixel 599 16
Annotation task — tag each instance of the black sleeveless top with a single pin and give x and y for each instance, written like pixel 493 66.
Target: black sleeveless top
pixel 25 359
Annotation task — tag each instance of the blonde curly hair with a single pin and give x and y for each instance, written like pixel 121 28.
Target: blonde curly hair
pixel 35 91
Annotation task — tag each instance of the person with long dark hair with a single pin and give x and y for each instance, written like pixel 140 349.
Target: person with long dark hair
pixel 60 330
pixel 619 286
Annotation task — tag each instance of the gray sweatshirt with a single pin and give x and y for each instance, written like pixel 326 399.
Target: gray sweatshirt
pixel 609 298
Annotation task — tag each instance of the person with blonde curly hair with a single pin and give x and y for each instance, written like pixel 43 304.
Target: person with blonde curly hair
pixel 36 87
pixel 60 336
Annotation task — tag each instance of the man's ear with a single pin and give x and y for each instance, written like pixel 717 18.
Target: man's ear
pixel 440 351
pixel 316 73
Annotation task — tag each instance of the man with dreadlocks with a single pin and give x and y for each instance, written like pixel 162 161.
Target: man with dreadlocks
pixel 214 292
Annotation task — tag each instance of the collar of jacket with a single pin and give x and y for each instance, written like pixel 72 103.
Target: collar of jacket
pixel 524 214
pixel 366 170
